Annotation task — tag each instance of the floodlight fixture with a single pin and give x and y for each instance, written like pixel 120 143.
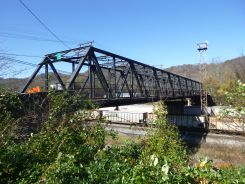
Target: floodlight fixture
pixel 202 46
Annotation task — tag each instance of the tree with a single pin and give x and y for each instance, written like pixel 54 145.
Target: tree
pixel 236 100
pixel 4 66
pixel 9 71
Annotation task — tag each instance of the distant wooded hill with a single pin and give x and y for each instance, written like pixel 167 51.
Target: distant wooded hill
pixel 18 83
pixel 220 71
pixel 221 76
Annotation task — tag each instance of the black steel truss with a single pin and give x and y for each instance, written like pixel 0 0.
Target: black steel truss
pixel 108 75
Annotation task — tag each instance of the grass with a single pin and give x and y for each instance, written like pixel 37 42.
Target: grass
pixel 222 155
pixel 122 139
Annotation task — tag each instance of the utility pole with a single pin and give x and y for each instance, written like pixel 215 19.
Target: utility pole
pixel 202 48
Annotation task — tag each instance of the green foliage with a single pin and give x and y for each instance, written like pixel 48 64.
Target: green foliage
pixel 233 175
pixel 70 148
pixel 235 97
pixel 164 140
pixel 10 109
pixel 65 105
pixel 205 172
pixel 58 152
pixel 10 103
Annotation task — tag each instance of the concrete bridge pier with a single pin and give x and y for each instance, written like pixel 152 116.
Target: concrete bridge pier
pixel 195 100
pixel 176 107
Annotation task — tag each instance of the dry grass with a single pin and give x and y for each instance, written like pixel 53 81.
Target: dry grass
pixel 222 155
pixel 122 139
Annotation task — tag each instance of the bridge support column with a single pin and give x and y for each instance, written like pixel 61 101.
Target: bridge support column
pixel 175 107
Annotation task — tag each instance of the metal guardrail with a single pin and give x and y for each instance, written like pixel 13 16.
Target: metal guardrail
pixel 187 121
pixel 124 117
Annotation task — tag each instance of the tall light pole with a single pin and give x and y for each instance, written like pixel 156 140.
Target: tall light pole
pixel 202 48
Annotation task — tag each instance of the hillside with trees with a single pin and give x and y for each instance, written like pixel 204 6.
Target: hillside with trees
pixel 221 76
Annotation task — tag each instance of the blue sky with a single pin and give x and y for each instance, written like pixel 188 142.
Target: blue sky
pixel 156 32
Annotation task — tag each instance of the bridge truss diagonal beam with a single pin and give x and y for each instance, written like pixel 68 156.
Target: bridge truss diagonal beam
pixel 99 74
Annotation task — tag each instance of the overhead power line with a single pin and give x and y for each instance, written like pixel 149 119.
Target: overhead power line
pixel 29 37
pixel 43 24
pixel 22 55
pixel 17 61
pixel 27 63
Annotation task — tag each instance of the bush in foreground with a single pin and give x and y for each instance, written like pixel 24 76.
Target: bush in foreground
pixel 69 149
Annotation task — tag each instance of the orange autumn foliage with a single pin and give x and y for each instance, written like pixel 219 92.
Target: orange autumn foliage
pixel 34 90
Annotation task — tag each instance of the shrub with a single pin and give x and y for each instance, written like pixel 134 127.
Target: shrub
pixel 70 148
pixel 10 110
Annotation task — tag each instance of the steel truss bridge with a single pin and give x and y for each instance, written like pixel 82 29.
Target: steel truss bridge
pixel 102 75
